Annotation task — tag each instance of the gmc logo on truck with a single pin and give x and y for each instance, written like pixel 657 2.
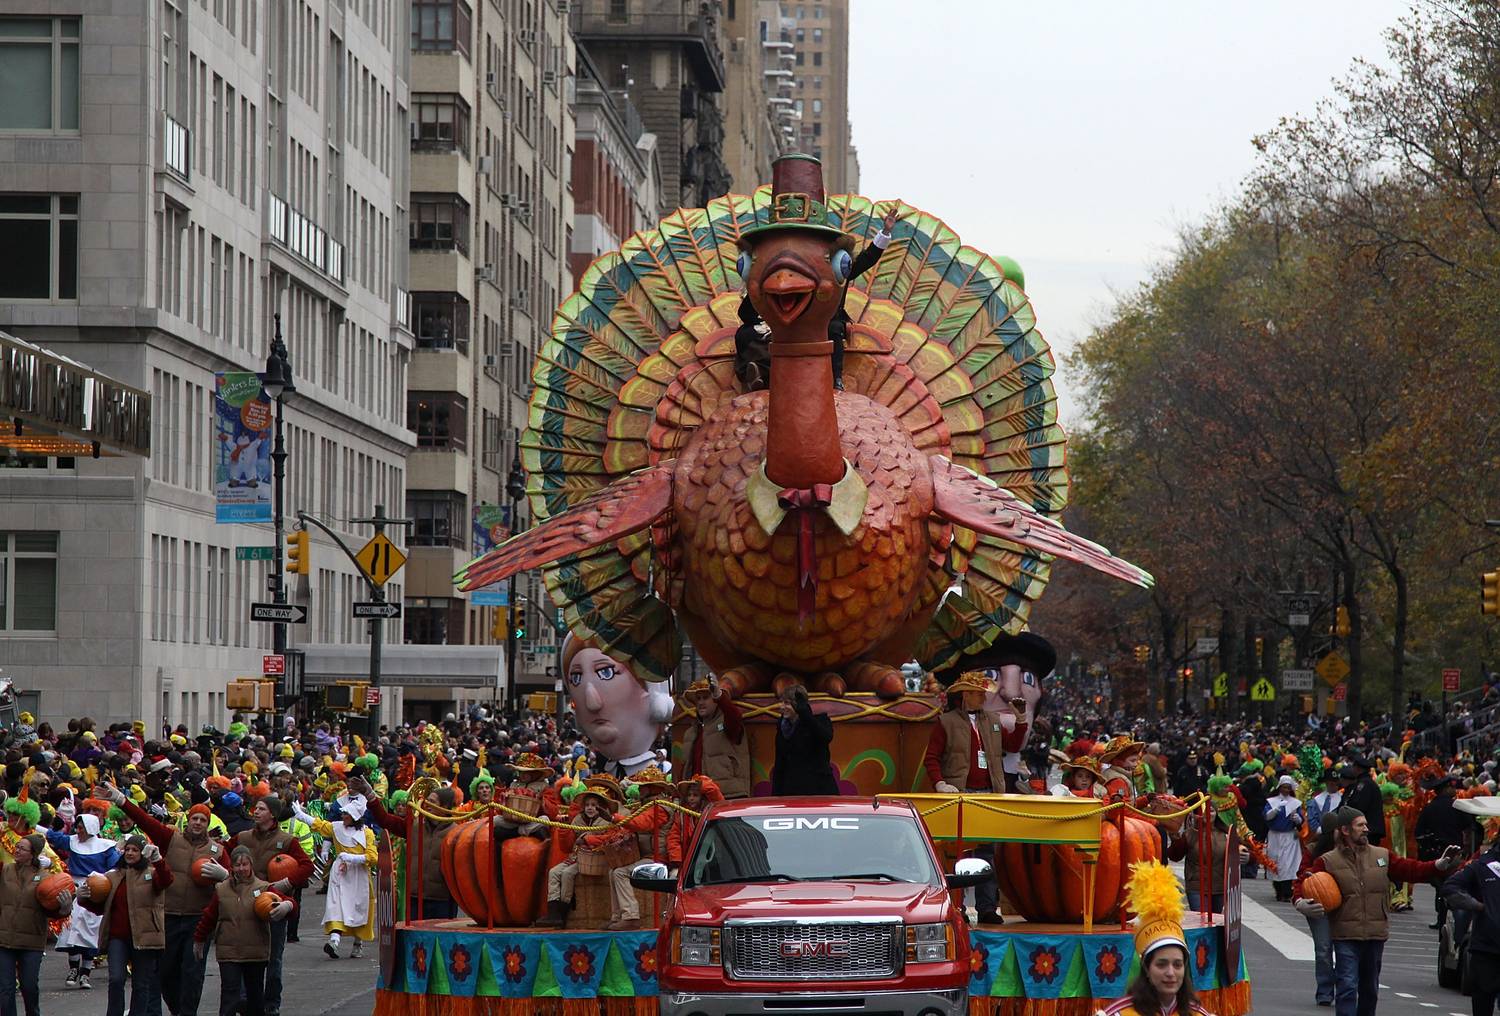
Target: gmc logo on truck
pixel 803 822
pixel 814 950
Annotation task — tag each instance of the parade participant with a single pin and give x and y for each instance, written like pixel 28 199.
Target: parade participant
pixel 622 714
pixel 350 908
pixel 266 839
pixel 1440 826
pixel 715 744
pixel 1184 847
pixel 650 827
pixel 1364 797
pixel 1163 987
pixel 132 933
pixel 1360 926
pixel 1475 890
pixel 1251 786
pixel 1192 776
pixel 1284 818
pixel 533 779
pixel 694 794
pixel 426 891
pixel 1080 778
pixel 85 853
pixel 1317 924
pixel 1121 761
pixel 294 826
pixel 801 764
pixel 1395 793
pixel 481 790
pixel 181 971
pixel 596 803
pixel 242 941
pixel 23 930
pixel 1329 799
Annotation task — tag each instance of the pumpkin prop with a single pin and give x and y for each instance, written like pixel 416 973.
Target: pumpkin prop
pixel 1047 882
pixel 475 878
pixel 98 887
pixel 50 888
pixel 196 871
pixel 1322 887
pixel 281 866
pixel 264 903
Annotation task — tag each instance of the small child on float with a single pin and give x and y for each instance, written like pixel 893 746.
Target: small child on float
pixel 596 804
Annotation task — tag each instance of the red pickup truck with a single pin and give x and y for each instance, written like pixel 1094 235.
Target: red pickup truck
pixel 812 904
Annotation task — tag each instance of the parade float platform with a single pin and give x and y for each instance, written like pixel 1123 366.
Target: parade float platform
pixel 1022 969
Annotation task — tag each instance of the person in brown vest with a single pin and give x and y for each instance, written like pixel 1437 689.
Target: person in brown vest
pixel 242 941
pixel 1361 924
pixel 133 933
pixel 715 745
pixel 181 972
pixel 427 893
pixel 23 926
pixel 963 757
pixel 266 839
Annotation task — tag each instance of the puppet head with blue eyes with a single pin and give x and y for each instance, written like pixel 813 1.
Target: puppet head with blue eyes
pixel 1015 667
pixel 621 715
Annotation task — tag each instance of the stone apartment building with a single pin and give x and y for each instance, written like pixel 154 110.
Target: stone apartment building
pixel 820 34
pixel 173 173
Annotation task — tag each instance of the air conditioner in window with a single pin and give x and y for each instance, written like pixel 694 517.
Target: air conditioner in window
pixel 507 200
pixel 519 298
pixel 485 274
pixel 490 360
pixel 489 79
pixel 486 164
pixel 563 6
pixel 523 208
pixel 416 130
pixel 549 77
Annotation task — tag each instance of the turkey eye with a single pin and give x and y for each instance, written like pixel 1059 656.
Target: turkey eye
pixel 743 264
pixel 840 262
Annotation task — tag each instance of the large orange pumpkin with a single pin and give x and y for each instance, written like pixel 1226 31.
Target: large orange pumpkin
pixel 1046 882
pixel 281 866
pixel 263 904
pixel 51 887
pixel 476 882
pixel 98 888
pixel 1322 886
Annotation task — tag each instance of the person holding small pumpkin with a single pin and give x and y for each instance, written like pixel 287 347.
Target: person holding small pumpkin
pixel 23 935
pixel 133 933
pixel 242 941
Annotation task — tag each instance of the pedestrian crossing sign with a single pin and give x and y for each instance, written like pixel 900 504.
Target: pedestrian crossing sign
pixel 1263 691
pixel 1221 686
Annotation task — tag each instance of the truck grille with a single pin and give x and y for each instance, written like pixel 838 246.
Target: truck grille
pixel 813 951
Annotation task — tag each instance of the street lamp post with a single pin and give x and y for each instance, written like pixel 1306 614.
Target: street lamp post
pixel 278 384
pixel 515 488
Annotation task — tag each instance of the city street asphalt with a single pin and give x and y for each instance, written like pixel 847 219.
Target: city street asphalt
pixel 1278 950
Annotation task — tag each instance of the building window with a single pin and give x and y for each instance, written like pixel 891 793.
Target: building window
pixel 818 58
pixel 800 55
pixel 38 246
pixel 439 222
pixel 817 105
pixel 441 321
pixel 442 120
pixel 818 35
pixel 28 582
pixel 817 13
pixel 817 83
pixel 440 419
pixel 801 35
pixel 441 518
pixel 433 620
pixel 619 12
pixel 38 74
pixel 440 26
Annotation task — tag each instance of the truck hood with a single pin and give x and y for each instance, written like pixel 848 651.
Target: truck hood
pixel 910 902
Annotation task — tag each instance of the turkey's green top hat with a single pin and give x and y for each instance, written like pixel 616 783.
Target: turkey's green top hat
pixel 797 198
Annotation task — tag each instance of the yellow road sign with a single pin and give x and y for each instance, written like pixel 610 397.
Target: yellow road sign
pixel 1221 686
pixel 1262 691
pixel 1332 669
pixel 380 558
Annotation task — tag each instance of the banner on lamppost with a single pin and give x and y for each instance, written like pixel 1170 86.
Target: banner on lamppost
pixel 242 448
pixel 491 527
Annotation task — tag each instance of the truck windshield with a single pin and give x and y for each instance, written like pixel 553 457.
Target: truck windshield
pixel 812 848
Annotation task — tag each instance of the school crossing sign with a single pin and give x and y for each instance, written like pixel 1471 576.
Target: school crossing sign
pixel 1263 691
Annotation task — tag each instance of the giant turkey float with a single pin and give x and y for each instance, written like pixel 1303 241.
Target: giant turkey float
pixel 797 532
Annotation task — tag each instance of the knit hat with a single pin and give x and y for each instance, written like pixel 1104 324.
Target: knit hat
pixel 200 809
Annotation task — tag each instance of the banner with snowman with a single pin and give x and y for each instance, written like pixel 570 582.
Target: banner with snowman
pixel 242 439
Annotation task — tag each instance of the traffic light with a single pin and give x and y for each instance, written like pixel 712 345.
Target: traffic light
pixel 1187 673
pixel 1142 653
pixel 1260 647
pixel 518 622
pixel 1341 622
pixel 1489 594
pixel 497 626
pixel 297 560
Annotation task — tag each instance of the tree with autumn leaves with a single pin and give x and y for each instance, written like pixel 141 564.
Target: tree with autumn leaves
pixel 1309 389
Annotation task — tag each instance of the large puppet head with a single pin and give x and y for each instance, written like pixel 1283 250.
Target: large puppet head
pixel 1014 666
pixel 621 714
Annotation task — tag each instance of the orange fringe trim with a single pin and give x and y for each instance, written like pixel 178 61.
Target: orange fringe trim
pixel 1231 1001
pixel 397 1003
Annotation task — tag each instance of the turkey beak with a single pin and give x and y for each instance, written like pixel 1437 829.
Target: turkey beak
pixel 789 292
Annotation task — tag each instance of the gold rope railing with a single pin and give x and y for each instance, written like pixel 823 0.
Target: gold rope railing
pixel 448 816
pixel 1191 804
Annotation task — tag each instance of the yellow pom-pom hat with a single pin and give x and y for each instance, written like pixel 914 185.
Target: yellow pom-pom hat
pixel 1155 896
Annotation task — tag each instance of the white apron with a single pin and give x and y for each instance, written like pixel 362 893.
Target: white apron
pixel 348 884
pixel 1284 847
pixel 82 929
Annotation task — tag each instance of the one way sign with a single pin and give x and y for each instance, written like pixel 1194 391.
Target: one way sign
pixel 288 613
pixel 377 609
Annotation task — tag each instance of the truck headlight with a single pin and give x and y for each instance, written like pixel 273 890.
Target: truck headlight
pixel 698 946
pixel 929 943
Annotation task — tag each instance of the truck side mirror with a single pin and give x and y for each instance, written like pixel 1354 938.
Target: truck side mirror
pixel 969 871
pixel 653 878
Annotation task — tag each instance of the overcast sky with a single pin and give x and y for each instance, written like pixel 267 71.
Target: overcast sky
pixel 1078 137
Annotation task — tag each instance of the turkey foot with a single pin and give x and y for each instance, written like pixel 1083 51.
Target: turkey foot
pixel 746 678
pixel 881 678
pixel 830 684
